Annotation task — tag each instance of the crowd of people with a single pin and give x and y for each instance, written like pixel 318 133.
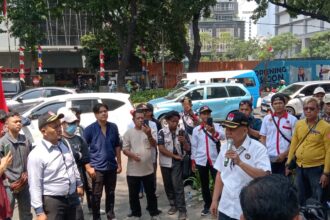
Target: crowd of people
pixel 249 161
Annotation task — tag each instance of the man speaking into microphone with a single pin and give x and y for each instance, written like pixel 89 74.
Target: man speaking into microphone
pixel 240 160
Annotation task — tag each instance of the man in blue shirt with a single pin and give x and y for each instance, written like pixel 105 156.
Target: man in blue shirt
pixel 254 123
pixel 105 160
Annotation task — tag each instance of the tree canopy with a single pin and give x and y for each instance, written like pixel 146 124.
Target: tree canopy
pixel 318 9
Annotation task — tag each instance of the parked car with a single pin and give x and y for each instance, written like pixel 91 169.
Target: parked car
pixel 12 87
pixel 119 109
pixel 222 98
pixel 247 77
pixel 29 98
pixel 298 92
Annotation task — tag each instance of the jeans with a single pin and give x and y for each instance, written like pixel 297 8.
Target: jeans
pixel 58 208
pixel 107 179
pixel 205 182
pixel 222 216
pixel 133 183
pixel 23 200
pixel 173 184
pixel 307 182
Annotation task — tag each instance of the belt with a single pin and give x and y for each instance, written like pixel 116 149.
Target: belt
pixel 60 197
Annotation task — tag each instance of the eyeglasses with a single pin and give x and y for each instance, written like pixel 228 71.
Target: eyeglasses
pixel 309 108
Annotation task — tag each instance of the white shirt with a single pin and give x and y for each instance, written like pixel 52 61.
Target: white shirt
pixel 154 132
pixel 52 171
pixel 203 149
pixel 234 178
pixel 275 143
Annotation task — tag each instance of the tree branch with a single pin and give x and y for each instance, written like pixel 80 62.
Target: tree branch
pixel 301 11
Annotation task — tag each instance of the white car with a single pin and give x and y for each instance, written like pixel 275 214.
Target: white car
pixel 29 98
pixel 119 109
pixel 298 92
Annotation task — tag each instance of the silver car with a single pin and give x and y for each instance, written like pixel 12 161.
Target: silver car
pixel 298 92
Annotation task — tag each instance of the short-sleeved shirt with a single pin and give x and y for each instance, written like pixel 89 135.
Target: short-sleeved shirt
pixel 203 148
pixel 137 142
pixel 102 148
pixel 170 141
pixel 251 152
pixel 275 143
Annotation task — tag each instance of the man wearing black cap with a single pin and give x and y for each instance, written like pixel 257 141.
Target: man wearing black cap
pixel 53 174
pixel 240 160
pixel 204 151
pixel 276 133
pixel 173 143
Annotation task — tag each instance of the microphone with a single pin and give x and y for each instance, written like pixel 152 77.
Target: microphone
pixel 230 142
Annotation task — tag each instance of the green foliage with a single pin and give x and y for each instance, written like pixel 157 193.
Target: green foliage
pixel 320 45
pixel 318 9
pixel 26 17
pixel 242 50
pixel 282 46
pixel 147 95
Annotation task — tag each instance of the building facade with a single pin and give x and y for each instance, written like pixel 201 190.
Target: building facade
pixel 220 27
pixel 302 26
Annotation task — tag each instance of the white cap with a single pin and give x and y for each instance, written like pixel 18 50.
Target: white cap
pixel 326 98
pixel 69 116
pixel 318 90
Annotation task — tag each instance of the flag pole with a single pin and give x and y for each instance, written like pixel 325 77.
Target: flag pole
pixel 8 35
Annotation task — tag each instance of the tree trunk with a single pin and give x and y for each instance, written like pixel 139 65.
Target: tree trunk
pixel 196 55
pixel 126 48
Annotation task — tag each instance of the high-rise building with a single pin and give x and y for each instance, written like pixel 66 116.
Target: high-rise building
pixel 222 25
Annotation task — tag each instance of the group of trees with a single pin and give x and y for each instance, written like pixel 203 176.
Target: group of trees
pixel 154 29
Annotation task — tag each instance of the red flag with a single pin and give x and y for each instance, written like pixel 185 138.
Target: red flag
pixel 4 7
pixel 3 104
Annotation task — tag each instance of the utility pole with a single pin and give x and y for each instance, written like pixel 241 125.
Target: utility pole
pixel 163 60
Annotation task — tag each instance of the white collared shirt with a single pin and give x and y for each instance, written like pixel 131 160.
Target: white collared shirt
pixel 203 149
pixel 52 171
pixel 251 152
pixel 275 143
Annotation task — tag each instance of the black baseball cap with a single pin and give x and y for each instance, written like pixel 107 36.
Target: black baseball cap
pixel 278 97
pixel 171 114
pixel 236 119
pixel 204 109
pixel 48 118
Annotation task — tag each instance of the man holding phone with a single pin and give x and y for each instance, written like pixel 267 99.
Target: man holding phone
pixel 204 151
pixel 137 145
pixel 173 144
pixel 20 147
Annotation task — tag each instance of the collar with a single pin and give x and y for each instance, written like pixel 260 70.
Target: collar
pixel 19 139
pixel 285 115
pixel 246 144
pixel 50 145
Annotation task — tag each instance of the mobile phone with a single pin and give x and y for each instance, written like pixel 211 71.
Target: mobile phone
pixel 146 122
pixel 209 121
pixel 6 149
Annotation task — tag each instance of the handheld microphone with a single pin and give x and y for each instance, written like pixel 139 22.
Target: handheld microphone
pixel 230 142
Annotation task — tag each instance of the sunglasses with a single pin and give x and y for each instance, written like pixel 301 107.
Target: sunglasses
pixel 309 108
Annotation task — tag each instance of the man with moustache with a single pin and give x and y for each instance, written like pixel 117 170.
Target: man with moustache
pixel 53 174
pixel 137 145
pixel 240 160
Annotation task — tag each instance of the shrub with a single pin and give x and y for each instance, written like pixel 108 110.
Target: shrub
pixel 146 95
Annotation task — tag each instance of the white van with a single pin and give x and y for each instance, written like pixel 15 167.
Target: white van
pixel 247 77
